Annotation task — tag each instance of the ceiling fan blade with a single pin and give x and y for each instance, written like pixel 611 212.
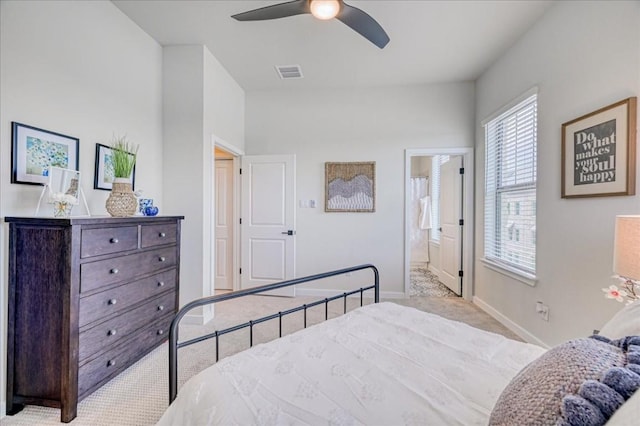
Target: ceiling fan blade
pixel 280 10
pixel 363 24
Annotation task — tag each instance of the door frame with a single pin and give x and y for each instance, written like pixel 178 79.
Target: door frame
pixel 237 154
pixel 467 155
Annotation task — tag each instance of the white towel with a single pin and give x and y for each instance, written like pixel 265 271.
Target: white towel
pixel 424 222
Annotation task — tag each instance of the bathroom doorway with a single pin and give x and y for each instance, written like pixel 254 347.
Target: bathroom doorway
pixel 438 234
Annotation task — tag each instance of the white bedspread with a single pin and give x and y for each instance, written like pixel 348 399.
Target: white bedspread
pixel 383 364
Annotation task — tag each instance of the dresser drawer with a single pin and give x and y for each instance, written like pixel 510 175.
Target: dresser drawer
pixel 155 235
pixel 94 242
pixel 118 299
pixel 107 365
pixel 98 274
pixel 119 328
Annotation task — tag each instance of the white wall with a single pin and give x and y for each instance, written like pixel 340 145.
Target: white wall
pixel 367 124
pixel 200 100
pixel 82 69
pixel 582 56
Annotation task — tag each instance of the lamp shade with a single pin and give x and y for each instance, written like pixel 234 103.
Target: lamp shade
pixel 626 251
pixel 325 9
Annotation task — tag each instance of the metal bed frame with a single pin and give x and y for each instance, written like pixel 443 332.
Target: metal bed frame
pixel 174 345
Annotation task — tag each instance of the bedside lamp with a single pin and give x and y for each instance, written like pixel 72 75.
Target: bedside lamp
pixel 626 251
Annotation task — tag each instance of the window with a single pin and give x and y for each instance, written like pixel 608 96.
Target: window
pixel 436 162
pixel 510 179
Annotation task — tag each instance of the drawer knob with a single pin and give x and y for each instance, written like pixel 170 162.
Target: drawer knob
pixel 160 308
pixel 113 271
pixel 113 241
pixel 111 332
pixel 113 301
pixel 160 332
pixel 111 363
pixel 162 259
pixel 162 235
pixel 160 283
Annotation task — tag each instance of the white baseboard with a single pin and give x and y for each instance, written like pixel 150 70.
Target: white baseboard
pixel 528 337
pixel 328 293
pixel 434 270
pixel 198 318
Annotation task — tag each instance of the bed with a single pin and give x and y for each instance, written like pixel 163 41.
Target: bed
pixel 384 363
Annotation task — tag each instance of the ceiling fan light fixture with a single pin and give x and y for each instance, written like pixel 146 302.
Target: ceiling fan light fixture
pixel 324 9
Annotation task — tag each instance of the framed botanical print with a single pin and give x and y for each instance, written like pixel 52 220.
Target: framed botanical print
pixel 34 151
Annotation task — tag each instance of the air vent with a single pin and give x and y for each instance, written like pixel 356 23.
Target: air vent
pixel 289 71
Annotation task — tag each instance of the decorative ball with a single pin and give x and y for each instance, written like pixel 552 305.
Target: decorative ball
pixel 150 211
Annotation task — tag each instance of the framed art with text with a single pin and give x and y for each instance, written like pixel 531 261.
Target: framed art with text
pixel 599 152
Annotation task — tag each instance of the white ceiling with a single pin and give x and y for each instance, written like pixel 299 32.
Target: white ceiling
pixel 431 41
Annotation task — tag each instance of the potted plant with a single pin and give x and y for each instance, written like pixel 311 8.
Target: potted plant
pixel 122 202
pixel 123 158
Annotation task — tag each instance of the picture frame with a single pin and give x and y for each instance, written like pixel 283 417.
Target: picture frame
pixel 63 187
pixel 599 152
pixel 103 178
pixel 350 187
pixel 64 182
pixel 35 150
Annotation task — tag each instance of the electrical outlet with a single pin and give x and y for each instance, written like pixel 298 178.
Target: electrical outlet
pixel 542 310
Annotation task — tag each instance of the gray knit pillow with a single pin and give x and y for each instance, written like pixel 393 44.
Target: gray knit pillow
pixel 534 396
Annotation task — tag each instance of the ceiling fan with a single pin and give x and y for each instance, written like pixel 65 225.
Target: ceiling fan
pixel 356 19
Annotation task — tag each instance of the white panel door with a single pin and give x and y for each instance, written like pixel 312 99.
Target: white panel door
pixel 450 215
pixel 268 221
pixel 224 225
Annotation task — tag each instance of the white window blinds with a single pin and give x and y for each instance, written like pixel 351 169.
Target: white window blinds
pixel 510 187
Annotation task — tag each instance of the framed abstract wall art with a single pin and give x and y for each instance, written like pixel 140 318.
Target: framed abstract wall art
pixel 104 169
pixel 599 152
pixel 350 187
pixel 35 150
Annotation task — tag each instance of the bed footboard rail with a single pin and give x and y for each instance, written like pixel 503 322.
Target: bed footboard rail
pixel 174 345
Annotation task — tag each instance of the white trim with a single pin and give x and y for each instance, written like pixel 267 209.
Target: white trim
pixel 328 293
pixel 3 409
pixel 532 91
pixel 467 206
pixel 237 154
pixel 198 319
pixel 226 146
pixel 523 277
pixel 433 269
pixel 528 337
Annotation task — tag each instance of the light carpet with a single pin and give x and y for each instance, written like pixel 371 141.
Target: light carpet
pixel 139 395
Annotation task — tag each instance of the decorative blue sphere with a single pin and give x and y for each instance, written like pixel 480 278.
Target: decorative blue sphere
pixel 150 211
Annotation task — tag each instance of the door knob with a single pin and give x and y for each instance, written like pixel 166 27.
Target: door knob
pixel 289 232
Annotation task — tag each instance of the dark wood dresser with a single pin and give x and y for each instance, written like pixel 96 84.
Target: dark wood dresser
pixel 88 297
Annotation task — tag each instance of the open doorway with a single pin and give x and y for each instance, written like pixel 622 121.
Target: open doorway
pixel 226 214
pixel 428 237
pixel 438 218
